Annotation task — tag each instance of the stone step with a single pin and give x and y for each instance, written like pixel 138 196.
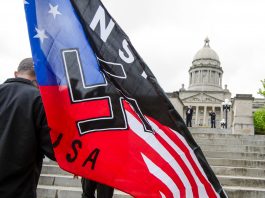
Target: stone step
pixel 228 136
pixel 234 155
pixel 239 171
pixel 244 192
pixel 59 180
pixel 233 148
pixel 254 182
pixel 53 169
pixel 209 130
pixel 66 192
pixel 219 170
pixel 73 184
pixel 46 191
pixel 236 162
pixel 225 141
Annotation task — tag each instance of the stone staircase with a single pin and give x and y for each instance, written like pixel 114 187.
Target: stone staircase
pixel 238 161
pixel 57 183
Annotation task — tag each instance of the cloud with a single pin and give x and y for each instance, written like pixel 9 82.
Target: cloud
pixel 167 34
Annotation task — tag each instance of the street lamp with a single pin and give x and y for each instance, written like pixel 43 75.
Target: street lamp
pixel 226 107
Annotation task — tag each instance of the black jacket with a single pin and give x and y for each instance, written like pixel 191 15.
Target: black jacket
pixel 189 112
pixel 212 115
pixel 24 138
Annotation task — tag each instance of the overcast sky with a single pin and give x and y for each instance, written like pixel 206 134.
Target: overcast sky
pixel 167 34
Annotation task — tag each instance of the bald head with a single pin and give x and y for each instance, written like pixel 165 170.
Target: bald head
pixel 26 69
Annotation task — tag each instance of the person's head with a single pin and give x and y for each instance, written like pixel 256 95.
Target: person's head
pixel 26 70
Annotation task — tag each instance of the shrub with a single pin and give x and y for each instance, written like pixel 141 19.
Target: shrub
pixel 259 121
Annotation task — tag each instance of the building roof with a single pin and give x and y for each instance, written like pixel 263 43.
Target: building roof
pixel 206 53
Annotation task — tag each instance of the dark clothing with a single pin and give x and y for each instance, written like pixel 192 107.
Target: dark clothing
pixel 89 187
pixel 213 124
pixel 213 115
pixel 188 121
pixel 24 138
pixel 189 113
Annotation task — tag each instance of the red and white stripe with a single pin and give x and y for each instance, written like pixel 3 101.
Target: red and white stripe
pixel 162 176
pixel 176 152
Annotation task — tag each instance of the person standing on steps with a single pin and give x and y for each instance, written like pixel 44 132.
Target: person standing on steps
pixel 189 113
pixel 212 114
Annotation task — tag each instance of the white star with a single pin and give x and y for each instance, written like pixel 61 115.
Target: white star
pixel 25 2
pixel 54 10
pixel 40 34
pixel 144 75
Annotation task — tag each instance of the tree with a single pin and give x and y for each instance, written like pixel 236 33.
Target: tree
pixel 259 121
pixel 262 90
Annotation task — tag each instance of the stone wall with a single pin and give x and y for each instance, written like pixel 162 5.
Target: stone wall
pixel 242 115
pixel 176 102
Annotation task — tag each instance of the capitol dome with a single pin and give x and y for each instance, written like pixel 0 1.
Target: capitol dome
pixel 206 55
pixel 205 72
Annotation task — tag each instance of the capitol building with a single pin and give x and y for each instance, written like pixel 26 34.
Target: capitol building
pixel 206 93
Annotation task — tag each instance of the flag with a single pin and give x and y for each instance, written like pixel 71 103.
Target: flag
pixel 110 120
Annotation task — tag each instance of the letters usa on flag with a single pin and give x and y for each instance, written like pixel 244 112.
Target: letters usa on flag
pixel 110 120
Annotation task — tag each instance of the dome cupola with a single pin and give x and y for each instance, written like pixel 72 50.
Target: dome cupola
pixel 205 72
pixel 206 55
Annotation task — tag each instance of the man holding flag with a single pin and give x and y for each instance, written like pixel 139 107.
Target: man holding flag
pixel 111 121
pixel 24 134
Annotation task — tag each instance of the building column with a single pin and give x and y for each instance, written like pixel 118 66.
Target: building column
pixel 196 116
pixel 216 78
pixel 204 116
pixel 222 112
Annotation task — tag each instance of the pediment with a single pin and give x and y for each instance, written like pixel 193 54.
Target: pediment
pixel 202 98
